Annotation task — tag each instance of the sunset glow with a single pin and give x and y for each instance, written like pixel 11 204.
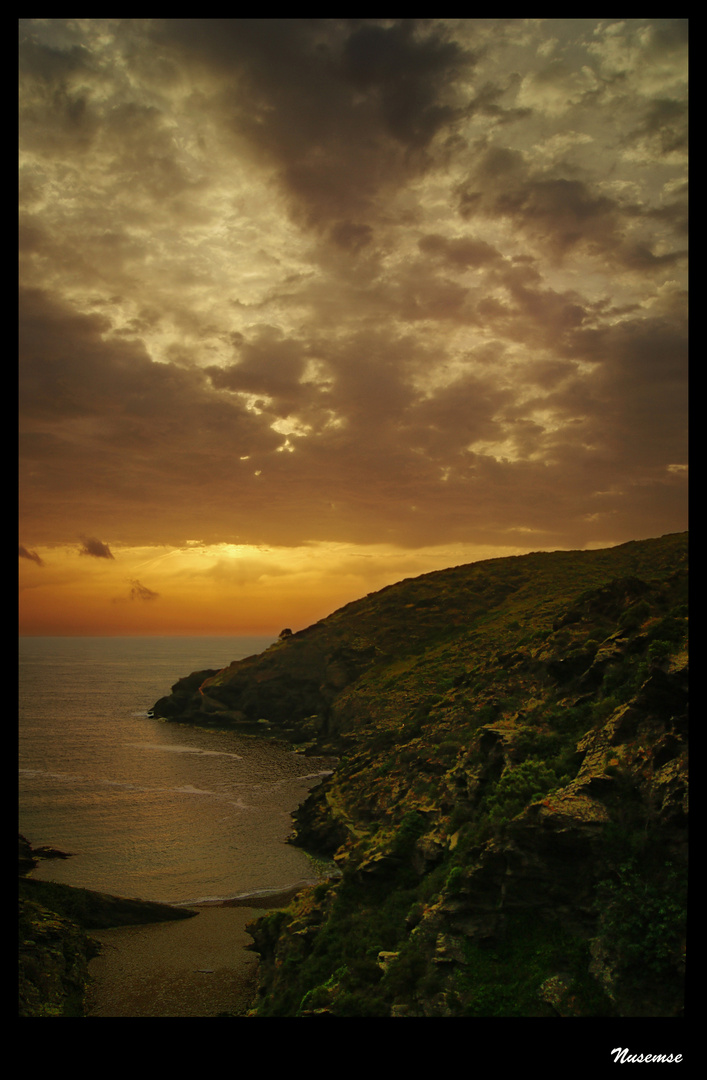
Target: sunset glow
pixel 310 306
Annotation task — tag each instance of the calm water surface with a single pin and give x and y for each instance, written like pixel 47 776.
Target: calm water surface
pixel 159 811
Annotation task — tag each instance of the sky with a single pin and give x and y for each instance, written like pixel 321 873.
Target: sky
pixel 308 306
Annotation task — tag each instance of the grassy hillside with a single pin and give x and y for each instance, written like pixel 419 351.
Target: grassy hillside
pixel 509 813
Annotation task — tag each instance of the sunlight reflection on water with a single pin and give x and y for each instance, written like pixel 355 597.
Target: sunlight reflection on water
pixel 149 809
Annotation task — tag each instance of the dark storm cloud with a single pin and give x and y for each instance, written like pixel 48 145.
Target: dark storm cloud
pixel 349 235
pixel 560 211
pixel 344 109
pixel 406 74
pixel 640 389
pixel 72 367
pixel 101 424
pixel 363 382
pixel 360 280
pixel 31 555
pixel 458 415
pixel 90 545
pixel 381 457
pixel 665 124
pixel 461 252
pixel 49 78
pixel 269 365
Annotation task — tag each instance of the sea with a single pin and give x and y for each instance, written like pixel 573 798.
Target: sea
pixel 148 809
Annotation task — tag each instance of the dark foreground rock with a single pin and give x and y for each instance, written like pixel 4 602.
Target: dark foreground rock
pixel 55 945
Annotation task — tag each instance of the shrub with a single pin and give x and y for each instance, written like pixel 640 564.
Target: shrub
pixel 642 921
pixel 658 651
pixel 455 880
pixel 411 827
pixel 634 616
pixel 517 787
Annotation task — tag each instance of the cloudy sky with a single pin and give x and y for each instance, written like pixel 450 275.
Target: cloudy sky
pixel 309 306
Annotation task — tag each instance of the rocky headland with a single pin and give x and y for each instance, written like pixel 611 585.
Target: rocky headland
pixel 509 812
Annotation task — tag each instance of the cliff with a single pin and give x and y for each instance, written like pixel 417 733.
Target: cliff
pixel 509 813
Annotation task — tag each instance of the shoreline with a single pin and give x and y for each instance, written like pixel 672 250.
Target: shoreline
pixel 263 899
pixel 155 959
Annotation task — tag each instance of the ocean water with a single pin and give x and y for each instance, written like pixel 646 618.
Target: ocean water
pixel 158 811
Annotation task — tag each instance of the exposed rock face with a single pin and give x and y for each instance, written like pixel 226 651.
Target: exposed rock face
pixel 509 813
pixel 181 702
pixel 54 954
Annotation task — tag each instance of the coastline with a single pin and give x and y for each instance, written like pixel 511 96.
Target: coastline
pixel 144 959
pixel 267 899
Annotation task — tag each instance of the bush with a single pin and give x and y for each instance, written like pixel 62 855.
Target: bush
pixel 411 827
pixel 658 651
pixel 517 787
pixel 455 880
pixel 670 629
pixel 634 616
pixel 642 922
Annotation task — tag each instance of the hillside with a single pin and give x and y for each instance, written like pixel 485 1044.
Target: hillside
pixel 509 813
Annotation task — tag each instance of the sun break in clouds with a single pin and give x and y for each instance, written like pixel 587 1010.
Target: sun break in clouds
pixel 412 290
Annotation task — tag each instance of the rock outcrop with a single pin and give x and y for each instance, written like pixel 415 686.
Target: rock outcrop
pixel 509 813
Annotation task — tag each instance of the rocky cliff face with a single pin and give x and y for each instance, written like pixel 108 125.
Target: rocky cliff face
pixel 509 814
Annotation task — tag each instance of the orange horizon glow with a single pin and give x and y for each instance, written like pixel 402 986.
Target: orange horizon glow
pixel 213 591
pixel 311 306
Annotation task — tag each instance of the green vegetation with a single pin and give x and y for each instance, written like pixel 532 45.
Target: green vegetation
pixel 53 962
pixel 642 919
pixel 518 786
pixel 510 977
pixel 510 733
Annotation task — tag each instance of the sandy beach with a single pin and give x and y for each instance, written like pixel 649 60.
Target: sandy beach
pixel 192 967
